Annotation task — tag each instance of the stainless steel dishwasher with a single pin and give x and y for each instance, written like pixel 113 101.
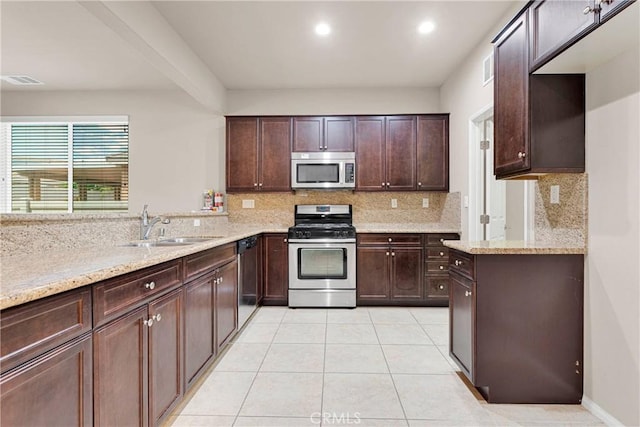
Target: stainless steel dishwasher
pixel 248 274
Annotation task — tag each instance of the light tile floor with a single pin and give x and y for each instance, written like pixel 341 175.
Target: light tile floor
pixel 364 367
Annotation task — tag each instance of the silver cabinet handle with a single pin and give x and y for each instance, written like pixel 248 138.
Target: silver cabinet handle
pixel 522 154
pixel 285 240
pixel 441 287
pixel 393 254
pixel 383 185
pixel 587 10
pixel 467 293
pixel 150 285
pixel 419 184
pixel 458 262
pixel 390 239
pixel 387 253
pixel 156 317
pixel 148 323
pixel 441 240
pixel 255 184
pixel 442 267
pixel 441 253
pixel 388 185
pixel 260 185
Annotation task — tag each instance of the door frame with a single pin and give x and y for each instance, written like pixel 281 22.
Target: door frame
pixel 475 186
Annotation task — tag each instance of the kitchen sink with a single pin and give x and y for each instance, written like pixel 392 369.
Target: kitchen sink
pixel 171 241
pixel 186 240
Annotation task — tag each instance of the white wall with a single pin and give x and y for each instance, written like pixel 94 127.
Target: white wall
pixel 333 101
pixel 464 96
pixel 176 147
pixel 612 300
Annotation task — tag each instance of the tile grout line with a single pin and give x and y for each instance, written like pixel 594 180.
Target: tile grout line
pixel 244 400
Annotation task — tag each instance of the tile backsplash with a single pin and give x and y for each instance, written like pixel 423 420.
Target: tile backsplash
pixel 374 207
pixel 567 219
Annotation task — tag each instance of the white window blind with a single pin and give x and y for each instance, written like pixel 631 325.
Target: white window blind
pixel 67 167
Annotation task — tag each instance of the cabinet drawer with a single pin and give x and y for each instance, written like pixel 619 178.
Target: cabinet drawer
pixel 114 297
pixel 437 266
pixel 438 287
pixel 390 239
pixel 36 327
pixel 462 263
pixel 437 239
pixel 201 262
pixel 438 253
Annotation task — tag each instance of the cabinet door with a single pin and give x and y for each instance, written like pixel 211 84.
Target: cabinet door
pixel 276 269
pixel 511 100
pixel 226 303
pixel 370 153
pixel 406 274
pixel 120 371
pixel 251 275
pixel 461 322
pixel 400 150
pixel 372 274
pixel 52 390
pixel 165 355
pixel 338 134
pixel 242 154
pixel 198 326
pixel 555 24
pixel 609 8
pixel 275 154
pixel 308 134
pixel 433 153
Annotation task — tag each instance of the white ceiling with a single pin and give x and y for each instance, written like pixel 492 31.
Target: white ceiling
pixel 249 45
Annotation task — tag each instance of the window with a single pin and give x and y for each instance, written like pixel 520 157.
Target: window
pixel 56 165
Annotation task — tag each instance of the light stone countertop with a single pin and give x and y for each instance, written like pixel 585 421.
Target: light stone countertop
pixel 25 278
pixel 517 247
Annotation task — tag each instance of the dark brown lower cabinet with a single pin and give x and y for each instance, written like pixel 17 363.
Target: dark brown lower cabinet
pixel 516 325
pixel 276 269
pixel 226 303
pixel 198 326
pixel 138 365
pixel 53 389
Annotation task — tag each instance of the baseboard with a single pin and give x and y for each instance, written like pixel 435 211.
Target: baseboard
pixel 596 410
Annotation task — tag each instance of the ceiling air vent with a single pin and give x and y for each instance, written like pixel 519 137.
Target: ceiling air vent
pixel 21 80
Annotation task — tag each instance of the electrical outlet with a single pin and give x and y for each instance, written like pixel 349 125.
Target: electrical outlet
pixel 394 203
pixel 465 202
pixel 425 202
pixel 248 204
pixel 555 194
pixel 196 223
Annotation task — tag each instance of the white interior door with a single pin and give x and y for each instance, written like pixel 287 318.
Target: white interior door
pixel 495 204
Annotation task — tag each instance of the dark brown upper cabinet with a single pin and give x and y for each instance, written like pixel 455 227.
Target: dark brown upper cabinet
pixel 401 153
pixel 258 154
pixel 539 120
pixel 323 134
pixel 370 153
pixel 556 25
pixel 433 153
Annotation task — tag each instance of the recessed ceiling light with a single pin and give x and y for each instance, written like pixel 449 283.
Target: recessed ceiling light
pixel 426 27
pixel 323 29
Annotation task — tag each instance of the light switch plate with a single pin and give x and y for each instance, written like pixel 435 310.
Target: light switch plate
pixel 555 194
pixel 394 203
pixel 196 223
pixel 248 204
pixel 425 202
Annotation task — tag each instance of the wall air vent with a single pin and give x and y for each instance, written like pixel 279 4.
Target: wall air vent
pixel 21 80
pixel 487 69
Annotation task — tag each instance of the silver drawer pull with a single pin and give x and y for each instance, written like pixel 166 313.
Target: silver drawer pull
pixel 441 287
pixel 390 239
pixel 393 254
pixel 441 240
pixel 156 317
pixel 467 293
pixel 442 267
pixel 387 253
pixel 148 323
pixel 522 154
pixel 441 253
pixel 458 262
pixel 150 285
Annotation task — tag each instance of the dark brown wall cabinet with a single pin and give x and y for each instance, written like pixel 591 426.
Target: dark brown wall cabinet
pixel 276 269
pixel 323 133
pixel 432 159
pixel 516 325
pixel 258 154
pixel 47 362
pixel 556 25
pixel 539 119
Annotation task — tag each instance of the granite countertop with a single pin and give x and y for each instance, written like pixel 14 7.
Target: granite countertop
pixel 517 247
pixel 25 278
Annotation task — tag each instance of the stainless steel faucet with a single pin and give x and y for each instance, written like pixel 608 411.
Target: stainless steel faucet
pixel 147 224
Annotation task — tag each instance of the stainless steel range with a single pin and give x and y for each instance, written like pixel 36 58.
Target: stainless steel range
pixel 322 257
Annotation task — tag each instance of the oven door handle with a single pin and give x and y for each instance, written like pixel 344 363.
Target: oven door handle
pixel 316 241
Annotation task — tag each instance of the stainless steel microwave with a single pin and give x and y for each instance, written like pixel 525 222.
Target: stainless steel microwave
pixel 323 170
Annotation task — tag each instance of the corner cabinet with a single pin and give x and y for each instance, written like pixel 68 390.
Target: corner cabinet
pixel 258 154
pixel 539 120
pixel 516 325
